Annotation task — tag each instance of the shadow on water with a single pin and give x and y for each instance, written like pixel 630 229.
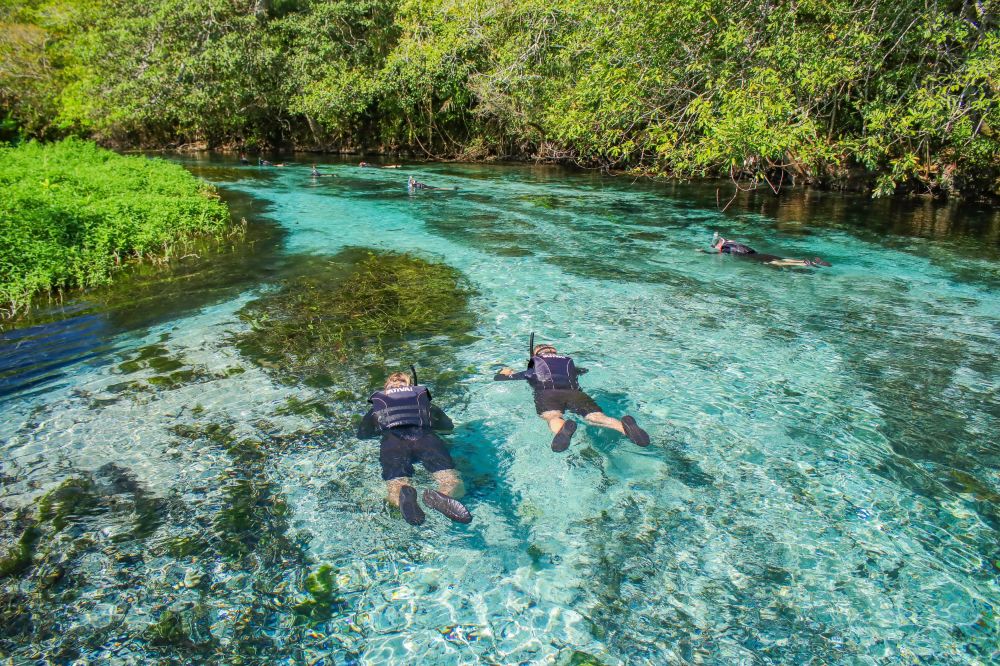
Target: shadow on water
pixel 52 339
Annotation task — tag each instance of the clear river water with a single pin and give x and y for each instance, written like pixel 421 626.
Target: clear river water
pixel 823 484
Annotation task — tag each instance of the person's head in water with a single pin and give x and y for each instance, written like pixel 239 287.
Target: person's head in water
pixel 544 350
pixel 719 242
pixel 398 380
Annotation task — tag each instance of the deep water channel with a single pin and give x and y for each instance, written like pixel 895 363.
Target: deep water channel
pixel 823 484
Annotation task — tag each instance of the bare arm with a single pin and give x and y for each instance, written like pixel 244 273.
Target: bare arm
pixel 507 374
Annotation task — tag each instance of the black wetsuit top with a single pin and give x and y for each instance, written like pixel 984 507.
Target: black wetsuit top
pixel 553 380
pixel 406 444
pixel 732 247
pixel 746 252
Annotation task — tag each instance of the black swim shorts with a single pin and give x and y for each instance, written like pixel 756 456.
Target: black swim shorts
pixel 561 400
pixel 401 447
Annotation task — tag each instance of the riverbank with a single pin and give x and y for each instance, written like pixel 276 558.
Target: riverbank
pixel 72 214
pixel 901 96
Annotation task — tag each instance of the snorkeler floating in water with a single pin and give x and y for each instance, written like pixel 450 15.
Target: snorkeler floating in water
pixel 412 185
pixel 262 162
pixel 368 165
pixel 316 173
pixel 553 379
pixel 404 416
pixel 724 246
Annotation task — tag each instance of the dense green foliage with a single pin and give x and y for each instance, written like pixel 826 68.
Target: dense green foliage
pixel 884 93
pixel 71 212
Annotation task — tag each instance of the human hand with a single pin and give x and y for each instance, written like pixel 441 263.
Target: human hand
pixel 506 372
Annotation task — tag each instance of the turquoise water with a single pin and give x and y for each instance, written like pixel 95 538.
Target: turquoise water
pixel 823 484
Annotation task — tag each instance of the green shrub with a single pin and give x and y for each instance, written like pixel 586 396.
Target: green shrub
pixel 71 213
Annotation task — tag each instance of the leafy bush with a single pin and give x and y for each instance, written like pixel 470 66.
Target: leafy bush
pixel 890 94
pixel 70 213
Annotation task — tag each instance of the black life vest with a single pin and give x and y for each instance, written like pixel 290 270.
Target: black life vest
pixel 402 406
pixel 554 372
pixel 732 247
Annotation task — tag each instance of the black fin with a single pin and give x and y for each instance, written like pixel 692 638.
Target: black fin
pixel 634 432
pixel 412 513
pixel 562 439
pixel 449 506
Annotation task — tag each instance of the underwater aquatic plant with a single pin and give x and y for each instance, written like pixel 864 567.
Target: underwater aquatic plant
pixel 339 314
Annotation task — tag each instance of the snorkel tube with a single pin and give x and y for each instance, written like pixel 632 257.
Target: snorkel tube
pixel 413 374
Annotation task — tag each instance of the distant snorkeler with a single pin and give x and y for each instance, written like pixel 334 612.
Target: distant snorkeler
pixel 724 246
pixel 368 165
pixel 553 378
pixel 403 415
pixel 243 160
pixel 316 173
pixel 266 163
pixel 412 185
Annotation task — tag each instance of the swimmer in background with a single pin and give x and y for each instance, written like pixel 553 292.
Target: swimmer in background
pixel 316 173
pixel 553 378
pixel 367 165
pixel 724 246
pixel 412 185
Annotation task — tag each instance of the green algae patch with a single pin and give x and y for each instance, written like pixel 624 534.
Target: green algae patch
pixel 578 658
pixel 345 313
pixel 19 558
pixel 73 499
pixel 322 600
pixel 185 546
pixel 315 408
pixel 171 371
pixel 183 627
pixel 253 520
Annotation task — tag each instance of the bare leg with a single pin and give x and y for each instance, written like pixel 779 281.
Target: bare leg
pixel 449 483
pixel 561 428
pixel 554 419
pixel 790 262
pixel 393 486
pixel 627 426
pixel 603 420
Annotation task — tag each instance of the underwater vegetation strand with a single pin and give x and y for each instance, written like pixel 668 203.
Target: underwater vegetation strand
pixel 341 312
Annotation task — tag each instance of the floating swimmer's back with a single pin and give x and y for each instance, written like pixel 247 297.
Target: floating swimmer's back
pixel 402 406
pixel 554 372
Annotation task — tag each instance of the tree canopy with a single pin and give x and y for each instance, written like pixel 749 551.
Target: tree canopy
pixel 891 94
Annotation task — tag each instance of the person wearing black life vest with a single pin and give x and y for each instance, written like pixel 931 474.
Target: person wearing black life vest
pixel 724 246
pixel 553 378
pixel 402 413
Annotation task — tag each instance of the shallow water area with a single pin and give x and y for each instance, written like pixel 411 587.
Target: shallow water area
pixel 823 484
